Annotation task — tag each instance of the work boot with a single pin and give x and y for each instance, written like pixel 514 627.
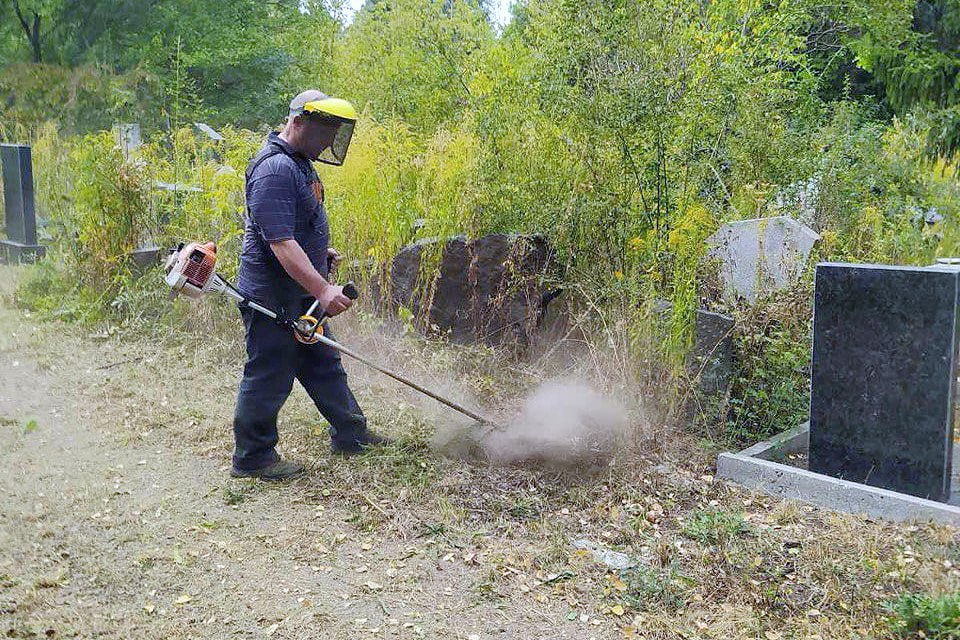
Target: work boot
pixel 279 470
pixel 359 444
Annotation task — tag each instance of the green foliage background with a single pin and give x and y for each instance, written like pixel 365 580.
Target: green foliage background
pixel 625 131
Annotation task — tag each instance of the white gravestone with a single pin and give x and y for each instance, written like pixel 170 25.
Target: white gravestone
pixel 761 255
pixel 128 137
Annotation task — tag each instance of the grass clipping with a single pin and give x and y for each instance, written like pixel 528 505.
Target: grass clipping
pixel 560 425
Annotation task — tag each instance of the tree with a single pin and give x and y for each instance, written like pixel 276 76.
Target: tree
pixel 30 18
pixel 413 58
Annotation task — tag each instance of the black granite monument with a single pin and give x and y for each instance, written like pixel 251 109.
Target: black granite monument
pixel 20 216
pixel 884 366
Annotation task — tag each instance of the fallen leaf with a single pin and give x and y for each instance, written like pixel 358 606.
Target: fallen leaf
pixel 616 610
pixel 184 599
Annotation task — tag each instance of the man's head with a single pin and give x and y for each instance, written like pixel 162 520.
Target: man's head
pixel 320 127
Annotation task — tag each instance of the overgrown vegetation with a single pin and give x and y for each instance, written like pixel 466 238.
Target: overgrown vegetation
pixel 627 132
pixel 924 616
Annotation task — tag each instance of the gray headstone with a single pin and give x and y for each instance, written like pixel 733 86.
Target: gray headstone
pixel 711 363
pixel 761 255
pixel 884 362
pixel 712 359
pixel 145 257
pixel 171 186
pixel 208 131
pixel 128 137
pixel 19 212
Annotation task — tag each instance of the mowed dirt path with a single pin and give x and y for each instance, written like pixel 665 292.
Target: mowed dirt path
pixel 106 532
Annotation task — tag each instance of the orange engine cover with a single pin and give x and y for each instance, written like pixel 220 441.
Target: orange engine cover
pixel 199 262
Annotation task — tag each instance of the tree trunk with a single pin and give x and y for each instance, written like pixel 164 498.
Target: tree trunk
pixel 32 33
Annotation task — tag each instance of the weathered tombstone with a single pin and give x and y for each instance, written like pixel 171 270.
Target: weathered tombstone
pixel 884 363
pixel 19 212
pixel 142 258
pixel 450 294
pixel 711 363
pixel 505 274
pixel 761 255
pixel 208 131
pixel 172 186
pixel 487 290
pixel 712 360
pixel 128 137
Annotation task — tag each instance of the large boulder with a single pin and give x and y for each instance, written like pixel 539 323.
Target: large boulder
pixel 487 290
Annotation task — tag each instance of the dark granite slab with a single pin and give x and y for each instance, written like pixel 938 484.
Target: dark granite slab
pixel 884 358
pixel 21 223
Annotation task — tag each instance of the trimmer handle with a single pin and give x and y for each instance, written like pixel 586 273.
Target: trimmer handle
pixel 350 290
pixel 306 333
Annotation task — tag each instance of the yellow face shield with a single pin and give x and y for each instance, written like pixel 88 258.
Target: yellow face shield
pixel 341 117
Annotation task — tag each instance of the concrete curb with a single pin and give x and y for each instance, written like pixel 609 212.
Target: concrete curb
pixel 750 469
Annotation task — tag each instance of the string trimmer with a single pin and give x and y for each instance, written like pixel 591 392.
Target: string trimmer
pixel 192 271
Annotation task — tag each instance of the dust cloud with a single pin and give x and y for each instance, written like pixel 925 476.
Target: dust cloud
pixel 560 424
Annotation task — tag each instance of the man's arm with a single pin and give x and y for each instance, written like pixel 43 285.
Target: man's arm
pixel 296 263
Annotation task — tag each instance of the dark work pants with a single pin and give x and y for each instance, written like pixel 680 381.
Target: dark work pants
pixel 274 360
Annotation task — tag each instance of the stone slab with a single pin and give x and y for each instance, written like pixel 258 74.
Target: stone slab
pixel 208 131
pixel 19 211
pixel 127 135
pixel 884 361
pixel 713 353
pixel 12 252
pixel 486 290
pixel 791 441
pixel 143 258
pixel 761 255
pixel 791 483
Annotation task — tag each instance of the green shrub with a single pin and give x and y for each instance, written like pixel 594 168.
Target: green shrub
pixel 924 616
pixel 50 290
pixel 772 345
pixel 646 589
pixel 714 527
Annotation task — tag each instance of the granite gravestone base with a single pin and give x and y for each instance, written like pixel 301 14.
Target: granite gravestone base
pixel 884 364
pixel 19 213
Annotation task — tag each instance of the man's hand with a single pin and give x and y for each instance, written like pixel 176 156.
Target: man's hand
pixel 332 300
pixel 298 265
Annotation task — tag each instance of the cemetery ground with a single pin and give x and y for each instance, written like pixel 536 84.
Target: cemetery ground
pixel 118 520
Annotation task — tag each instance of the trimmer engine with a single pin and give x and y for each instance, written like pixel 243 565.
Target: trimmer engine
pixel 191 269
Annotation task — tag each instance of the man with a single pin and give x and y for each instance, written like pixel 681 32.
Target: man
pixel 285 263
